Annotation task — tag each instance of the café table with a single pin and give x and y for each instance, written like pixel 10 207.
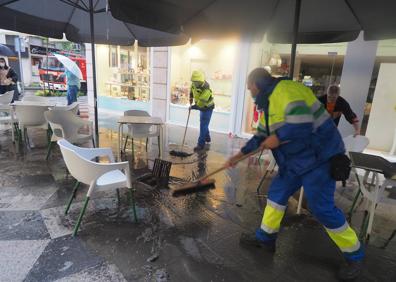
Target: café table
pixel 138 120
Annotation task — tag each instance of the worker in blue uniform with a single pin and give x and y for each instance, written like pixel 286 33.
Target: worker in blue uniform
pixel 304 140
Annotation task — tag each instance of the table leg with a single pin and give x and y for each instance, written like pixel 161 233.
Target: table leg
pixel 161 141
pixel 373 205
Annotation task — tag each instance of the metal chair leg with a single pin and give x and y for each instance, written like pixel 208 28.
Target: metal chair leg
pixel 133 150
pixel 132 199
pixel 125 144
pixel 81 216
pixel 73 195
pixel 390 239
pixel 159 146
pixel 49 133
pixel 363 227
pixel 261 182
pixel 50 144
pixel 350 213
pixel 118 196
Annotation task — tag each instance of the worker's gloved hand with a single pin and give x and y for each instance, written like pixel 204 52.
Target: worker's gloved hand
pixel 194 107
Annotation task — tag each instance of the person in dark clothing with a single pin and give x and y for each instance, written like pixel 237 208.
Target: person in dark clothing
pixel 8 79
pixel 337 106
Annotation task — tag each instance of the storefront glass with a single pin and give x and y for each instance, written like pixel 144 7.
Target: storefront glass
pixel 123 77
pixel 216 59
pixel 317 66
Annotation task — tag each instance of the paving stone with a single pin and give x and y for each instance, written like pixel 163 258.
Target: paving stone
pixel 104 272
pixel 31 193
pixel 62 257
pixel 22 225
pixel 18 257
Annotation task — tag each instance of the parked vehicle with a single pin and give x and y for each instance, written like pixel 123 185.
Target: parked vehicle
pixel 49 71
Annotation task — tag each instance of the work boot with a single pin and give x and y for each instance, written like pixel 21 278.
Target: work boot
pixel 350 271
pixel 199 148
pixel 250 239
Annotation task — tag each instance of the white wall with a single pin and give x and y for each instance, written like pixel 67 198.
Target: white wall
pixel 356 76
pixel 159 82
pixel 382 121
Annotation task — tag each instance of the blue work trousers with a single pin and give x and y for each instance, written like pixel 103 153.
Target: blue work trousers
pixel 204 120
pixel 72 91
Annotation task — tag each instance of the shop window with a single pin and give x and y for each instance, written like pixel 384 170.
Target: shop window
pixel 317 66
pixel 127 75
pixel 113 57
pixel 216 59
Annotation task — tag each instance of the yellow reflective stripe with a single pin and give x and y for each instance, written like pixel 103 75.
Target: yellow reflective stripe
pixel 275 126
pixel 203 98
pixel 276 205
pixel 272 218
pixel 316 106
pixel 299 119
pixel 321 119
pixel 345 238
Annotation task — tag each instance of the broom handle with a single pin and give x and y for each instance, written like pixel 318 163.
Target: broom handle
pixel 185 130
pixel 225 167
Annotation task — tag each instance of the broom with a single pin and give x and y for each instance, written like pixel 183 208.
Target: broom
pixel 181 153
pixel 204 182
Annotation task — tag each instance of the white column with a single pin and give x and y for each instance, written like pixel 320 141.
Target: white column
pixel 159 82
pixel 356 76
pixel 239 89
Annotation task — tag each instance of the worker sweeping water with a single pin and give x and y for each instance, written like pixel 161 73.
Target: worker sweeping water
pixel 202 95
pixel 304 142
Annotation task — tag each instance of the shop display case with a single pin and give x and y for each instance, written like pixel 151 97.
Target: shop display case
pixel 130 85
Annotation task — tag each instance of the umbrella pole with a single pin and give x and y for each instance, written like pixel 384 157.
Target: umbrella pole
pixel 297 13
pixel 92 27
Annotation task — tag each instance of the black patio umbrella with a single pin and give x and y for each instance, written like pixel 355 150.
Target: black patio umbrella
pixel 6 51
pixel 81 21
pixel 284 21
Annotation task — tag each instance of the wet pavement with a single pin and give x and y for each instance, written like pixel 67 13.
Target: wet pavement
pixel 188 238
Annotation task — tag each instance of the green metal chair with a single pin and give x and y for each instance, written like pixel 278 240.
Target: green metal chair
pixel 99 176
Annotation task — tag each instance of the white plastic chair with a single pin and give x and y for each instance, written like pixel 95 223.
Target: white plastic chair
pixel 32 98
pixel 6 98
pixel 31 116
pixel 141 131
pixel 8 111
pixel 74 107
pixel 66 125
pixel 352 144
pixel 373 188
pixel 99 176
pixel 355 144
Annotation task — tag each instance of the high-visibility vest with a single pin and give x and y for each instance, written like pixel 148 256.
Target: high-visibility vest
pixel 308 135
pixel 203 96
pixel 292 102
